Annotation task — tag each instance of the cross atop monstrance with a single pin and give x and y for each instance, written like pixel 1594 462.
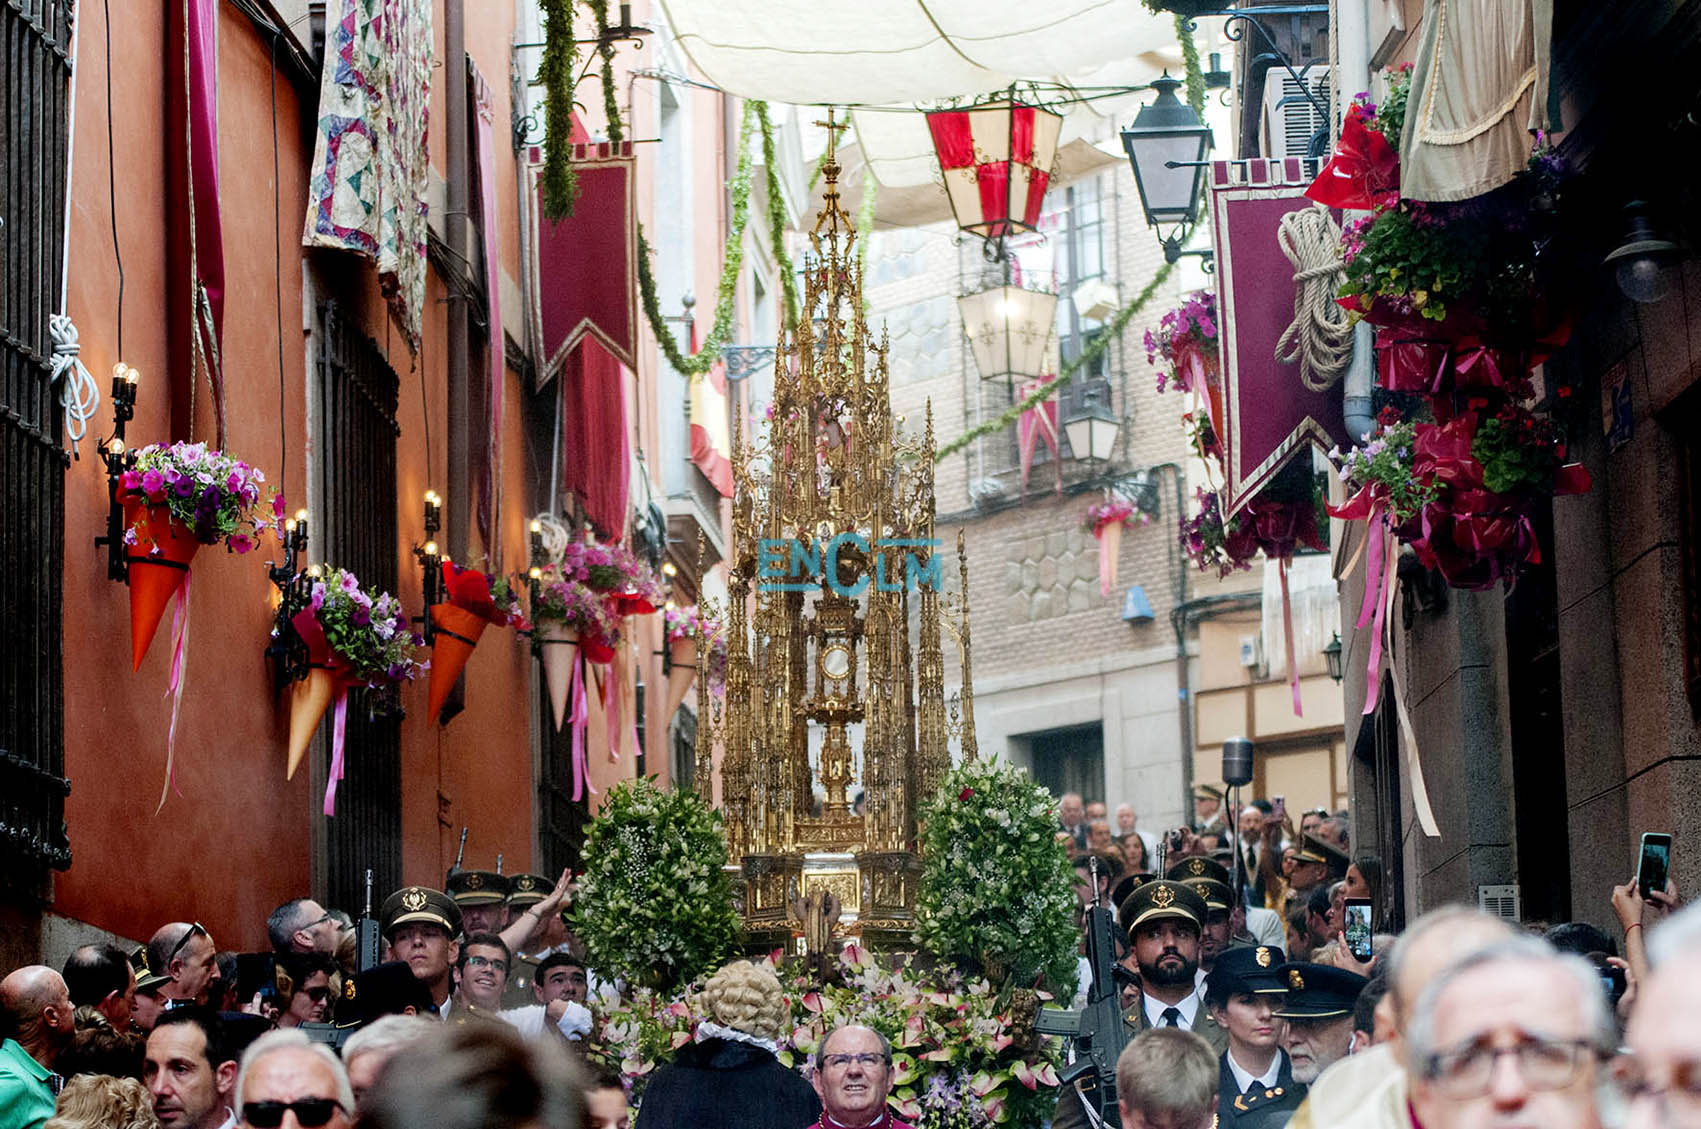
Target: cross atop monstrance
pixel 835 668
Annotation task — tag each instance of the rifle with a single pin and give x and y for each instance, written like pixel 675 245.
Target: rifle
pixel 1097 1031
pixel 460 852
pixel 366 944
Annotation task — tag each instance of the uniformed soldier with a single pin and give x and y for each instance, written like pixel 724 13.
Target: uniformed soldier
pixel 1256 1087
pixel 483 898
pixel 423 927
pixel 1319 1013
pixel 1208 810
pixel 384 989
pixel 1213 878
pixel 1162 919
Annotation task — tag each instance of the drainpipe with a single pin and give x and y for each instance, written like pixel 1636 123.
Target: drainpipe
pixel 1352 68
pixel 455 233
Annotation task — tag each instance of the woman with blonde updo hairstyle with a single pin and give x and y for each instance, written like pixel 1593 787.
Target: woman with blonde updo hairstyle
pixel 746 997
pixel 728 1077
pixel 100 1101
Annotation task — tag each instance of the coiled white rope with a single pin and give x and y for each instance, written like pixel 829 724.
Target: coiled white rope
pixel 554 535
pixel 79 395
pixel 1320 338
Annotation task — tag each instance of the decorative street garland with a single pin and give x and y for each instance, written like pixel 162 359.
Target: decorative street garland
pixel 1190 61
pixel 1087 359
pixel 777 214
pixel 605 48
pixel 560 178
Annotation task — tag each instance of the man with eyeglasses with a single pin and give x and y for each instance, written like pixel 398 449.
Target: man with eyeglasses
pixel 184 954
pixel 189 1069
pixel 853 1076
pixel 302 926
pixel 288 1082
pixel 1513 1035
pixel 481 973
pixel 1661 1074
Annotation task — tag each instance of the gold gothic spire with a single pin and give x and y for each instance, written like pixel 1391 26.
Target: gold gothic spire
pixel 833 566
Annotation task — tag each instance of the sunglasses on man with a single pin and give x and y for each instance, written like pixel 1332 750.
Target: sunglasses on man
pixel 197 927
pixel 309 1112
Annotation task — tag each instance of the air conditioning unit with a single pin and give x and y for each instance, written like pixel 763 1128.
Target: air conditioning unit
pixel 1500 901
pixel 1290 118
pixel 1252 652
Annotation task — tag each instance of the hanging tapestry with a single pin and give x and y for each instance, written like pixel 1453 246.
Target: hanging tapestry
pixel 367 192
pixel 589 259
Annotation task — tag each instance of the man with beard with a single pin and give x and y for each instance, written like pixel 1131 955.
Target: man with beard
pixel 482 896
pixel 190 1071
pixel 1319 1010
pixel 1163 922
pixel 421 926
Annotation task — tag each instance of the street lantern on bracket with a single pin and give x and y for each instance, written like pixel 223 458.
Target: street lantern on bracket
pixel 1093 429
pixel 996 159
pixel 1166 147
pixel 1009 327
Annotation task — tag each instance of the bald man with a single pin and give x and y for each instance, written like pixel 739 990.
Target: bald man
pixel 36 1007
pixel 1371 1090
pixel 184 953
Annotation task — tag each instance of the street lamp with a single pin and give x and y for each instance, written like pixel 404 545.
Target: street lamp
pixel 1008 329
pixel 1166 147
pixel 996 159
pixel 1332 657
pixel 1092 430
pixel 1643 260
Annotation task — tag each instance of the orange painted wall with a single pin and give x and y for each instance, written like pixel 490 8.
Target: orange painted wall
pixel 234 839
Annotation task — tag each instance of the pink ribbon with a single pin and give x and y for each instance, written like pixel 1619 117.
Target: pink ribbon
pixel 339 726
pixel 1287 629
pixel 1378 573
pixel 174 687
pixel 576 720
pixel 611 711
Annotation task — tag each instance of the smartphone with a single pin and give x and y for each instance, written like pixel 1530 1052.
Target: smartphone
pixel 1613 981
pixel 1655 865
pixel 1358 928
pixel 256 973
pixel 1279 809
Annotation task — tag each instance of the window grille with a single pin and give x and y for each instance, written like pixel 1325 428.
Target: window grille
pixel 34 86
pixel 357 465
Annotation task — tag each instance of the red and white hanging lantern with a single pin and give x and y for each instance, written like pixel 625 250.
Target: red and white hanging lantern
pixel 996 158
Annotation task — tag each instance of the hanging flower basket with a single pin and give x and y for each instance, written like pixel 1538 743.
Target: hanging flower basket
pixel 1106 520
pixel 474 602
pixel 572 618
pixel 354 637
pixel 687 629
pixel 176 498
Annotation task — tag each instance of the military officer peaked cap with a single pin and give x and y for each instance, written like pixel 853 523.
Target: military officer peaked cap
pixel 383 989
pixel 420 903
pixel 1162 900
pixel 477 888
pixel 1198 867
pixel 1313 849
pixel 1216 895
pixel 528 889
pixel 1318 991
pixel 1207 792
pixel 1247 968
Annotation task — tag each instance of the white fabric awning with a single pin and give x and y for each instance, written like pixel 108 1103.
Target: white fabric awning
pixel 874 52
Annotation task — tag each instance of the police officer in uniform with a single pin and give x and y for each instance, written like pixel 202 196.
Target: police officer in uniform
pixel 1256 1087
pixel 1319 1012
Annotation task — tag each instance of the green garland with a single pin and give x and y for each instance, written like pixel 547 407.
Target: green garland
pixel 1190 59
pixel 1089 356
pixel 865 228
pixel 560 179
pixel 605 48
pixel 720 331
pixel 777 215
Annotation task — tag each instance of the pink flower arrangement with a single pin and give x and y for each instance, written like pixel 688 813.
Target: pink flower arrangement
pixel 1119 510
pixel 690 623
pixel 216 496
pixel 1184 351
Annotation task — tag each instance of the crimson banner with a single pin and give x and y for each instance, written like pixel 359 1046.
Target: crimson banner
pixel 1269 414
pixel 584 276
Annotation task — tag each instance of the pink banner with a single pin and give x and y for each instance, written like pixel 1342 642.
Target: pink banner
pixel 1038 422
pixel 1269 415
pixel 489 500
pixel 590 258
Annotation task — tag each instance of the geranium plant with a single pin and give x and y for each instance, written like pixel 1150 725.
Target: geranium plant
pixel 1184 349
pixel 1209 541
pixel 995 894
pixel 564 598
pixel 655 907
pixel 368 629
pixel 217 497
pixel 1116 510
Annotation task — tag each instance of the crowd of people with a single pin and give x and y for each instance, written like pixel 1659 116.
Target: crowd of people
pixel 1249 1001
pixel 1252 1002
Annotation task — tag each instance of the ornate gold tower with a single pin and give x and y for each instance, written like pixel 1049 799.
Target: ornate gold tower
pixel 833 567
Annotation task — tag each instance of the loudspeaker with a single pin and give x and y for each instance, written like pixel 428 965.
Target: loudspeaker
pixel 1237 762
